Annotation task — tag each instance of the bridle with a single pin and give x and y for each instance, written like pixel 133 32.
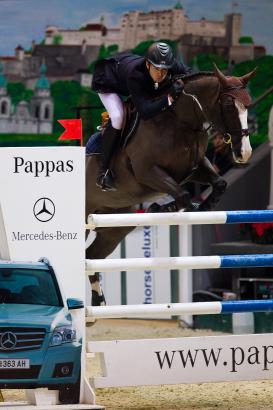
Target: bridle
pixel 226 136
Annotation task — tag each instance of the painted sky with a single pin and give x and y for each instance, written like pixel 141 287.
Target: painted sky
pixel 22 21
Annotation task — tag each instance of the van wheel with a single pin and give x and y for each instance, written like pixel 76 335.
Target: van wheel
pixel 70 393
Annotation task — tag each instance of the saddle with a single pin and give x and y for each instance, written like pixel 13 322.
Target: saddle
pixel 129 126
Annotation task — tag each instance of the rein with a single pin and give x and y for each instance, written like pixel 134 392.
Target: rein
pixel 201 109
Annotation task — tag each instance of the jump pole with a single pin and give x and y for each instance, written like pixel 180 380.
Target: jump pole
pixel 176 309
pixel 191 262
pixel 178 218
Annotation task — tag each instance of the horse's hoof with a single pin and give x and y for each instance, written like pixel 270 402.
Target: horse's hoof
pixel 90 322
pixel 154 207
pixel 193 207
pixel 170 207
pixel 97 300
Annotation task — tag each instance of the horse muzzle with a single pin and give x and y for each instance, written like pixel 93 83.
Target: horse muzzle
pixel 242 155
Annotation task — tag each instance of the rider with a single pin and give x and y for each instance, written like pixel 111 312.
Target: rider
pixel 142 78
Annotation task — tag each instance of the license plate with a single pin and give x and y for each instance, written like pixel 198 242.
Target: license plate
pixel 14 364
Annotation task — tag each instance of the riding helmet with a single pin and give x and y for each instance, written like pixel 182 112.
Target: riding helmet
pixel 160 55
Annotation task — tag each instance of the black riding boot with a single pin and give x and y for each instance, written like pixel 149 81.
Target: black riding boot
pixel 105 179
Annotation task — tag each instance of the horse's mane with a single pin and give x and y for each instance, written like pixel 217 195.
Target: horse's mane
pixel 194 76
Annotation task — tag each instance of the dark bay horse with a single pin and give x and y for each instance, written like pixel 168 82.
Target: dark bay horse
pixel 167 151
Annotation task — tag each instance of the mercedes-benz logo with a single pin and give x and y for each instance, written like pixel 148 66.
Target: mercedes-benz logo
pixel 44 209
pixel 8 341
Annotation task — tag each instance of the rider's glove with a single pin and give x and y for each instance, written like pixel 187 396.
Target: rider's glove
pixel 176 89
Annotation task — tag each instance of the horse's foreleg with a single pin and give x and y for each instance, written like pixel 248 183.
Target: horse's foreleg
pixel 205 174
pixel 103 245
pixel 159 180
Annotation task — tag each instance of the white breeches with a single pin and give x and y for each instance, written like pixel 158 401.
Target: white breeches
pixel 114 106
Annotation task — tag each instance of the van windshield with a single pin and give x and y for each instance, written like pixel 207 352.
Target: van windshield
pixel 29 286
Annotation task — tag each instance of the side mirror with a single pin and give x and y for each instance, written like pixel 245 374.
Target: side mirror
pixel 74 303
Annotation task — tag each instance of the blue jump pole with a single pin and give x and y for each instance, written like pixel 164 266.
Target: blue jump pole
pixel 247 306
pixel 235 217
pixel 246 261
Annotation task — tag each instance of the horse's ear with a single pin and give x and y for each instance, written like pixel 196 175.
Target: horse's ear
pixel 245 78
pixel 220 75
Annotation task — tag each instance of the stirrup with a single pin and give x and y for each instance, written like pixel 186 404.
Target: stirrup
pixel 105 181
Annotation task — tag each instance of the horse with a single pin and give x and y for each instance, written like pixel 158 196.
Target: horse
pixel 167 151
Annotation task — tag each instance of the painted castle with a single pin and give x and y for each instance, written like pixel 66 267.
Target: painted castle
pixel 172 24
pixel 68 53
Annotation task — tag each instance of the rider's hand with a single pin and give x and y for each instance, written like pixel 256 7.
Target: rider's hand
pixel 176 89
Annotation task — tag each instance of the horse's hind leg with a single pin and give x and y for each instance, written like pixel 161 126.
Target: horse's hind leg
pixel 103 245
pixel 205 174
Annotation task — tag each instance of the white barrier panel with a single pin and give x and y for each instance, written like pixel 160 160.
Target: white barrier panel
pixel 42 196
pixel 37 203
pixel 184 360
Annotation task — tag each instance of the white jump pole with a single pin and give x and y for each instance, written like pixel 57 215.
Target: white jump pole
pixel 144 219
pixel 168 309
pixel 178 218
pixel 192 262
pixel 134 264
pixel 196 308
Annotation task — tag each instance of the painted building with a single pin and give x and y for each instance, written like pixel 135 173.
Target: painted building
pixel 68 53
pixel 137 26
pixel 93 34
pixel 22 67
pixel 35 117
pixel 221 38
pixel 63 62
pixel 207 36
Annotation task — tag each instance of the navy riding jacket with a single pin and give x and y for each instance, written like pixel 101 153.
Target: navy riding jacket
pixel 127 75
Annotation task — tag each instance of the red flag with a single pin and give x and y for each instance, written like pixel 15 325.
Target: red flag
pixel 73 130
